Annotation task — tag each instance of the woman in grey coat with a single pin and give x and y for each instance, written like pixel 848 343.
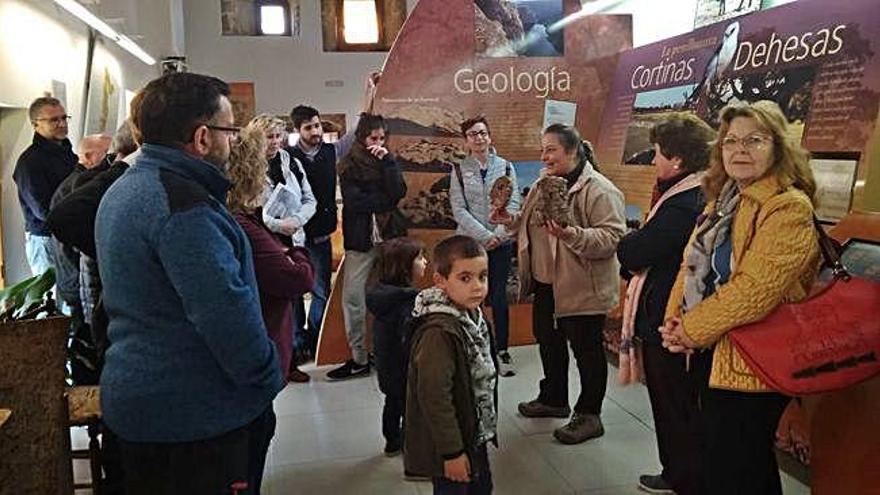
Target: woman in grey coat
pixel 469 193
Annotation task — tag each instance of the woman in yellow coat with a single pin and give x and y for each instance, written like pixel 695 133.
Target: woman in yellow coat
pixel 755 248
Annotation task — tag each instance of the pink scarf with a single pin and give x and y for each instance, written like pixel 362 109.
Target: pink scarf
pixel 629 370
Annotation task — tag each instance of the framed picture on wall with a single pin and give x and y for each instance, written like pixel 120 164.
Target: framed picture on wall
pixel 244 102
pixel 835 175
pixel 712 11
pixel 104 96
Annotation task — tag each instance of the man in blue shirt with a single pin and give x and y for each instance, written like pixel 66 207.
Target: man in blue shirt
pixel 190 374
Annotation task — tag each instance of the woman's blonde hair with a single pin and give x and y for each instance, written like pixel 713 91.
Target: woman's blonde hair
pixel 268 123
pixel 247 170
pixel 790 160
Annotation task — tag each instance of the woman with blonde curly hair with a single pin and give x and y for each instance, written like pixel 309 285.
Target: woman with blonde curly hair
pixel 283 273
pixel 755 248
pixel 288 172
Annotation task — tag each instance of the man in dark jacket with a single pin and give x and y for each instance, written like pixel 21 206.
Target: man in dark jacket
pixel 38 172
pixel 190 374
pixel 319 162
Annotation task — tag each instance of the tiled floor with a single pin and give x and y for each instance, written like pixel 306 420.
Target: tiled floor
pixel 328 442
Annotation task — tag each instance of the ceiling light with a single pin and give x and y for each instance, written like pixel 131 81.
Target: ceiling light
pixel 102 27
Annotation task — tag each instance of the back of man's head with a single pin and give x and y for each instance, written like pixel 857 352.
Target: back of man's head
pixel 454 248
pixel 301 114
pixel 123 141
pixel 175 105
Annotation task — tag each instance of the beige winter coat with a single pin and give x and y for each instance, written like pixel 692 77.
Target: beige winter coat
pixel 587 278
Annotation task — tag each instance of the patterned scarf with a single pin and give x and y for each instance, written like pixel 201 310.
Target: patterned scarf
pixel 713 233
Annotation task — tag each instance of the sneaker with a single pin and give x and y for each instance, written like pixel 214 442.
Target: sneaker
pixel 349 370
pixel 505 364
pixel 297 375
pixel 580 428
pixel 654 483
pixel 392 448
pixel 407 476
pixel 536 409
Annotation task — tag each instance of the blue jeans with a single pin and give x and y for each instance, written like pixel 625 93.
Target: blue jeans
pixel 499 270
pixel 40 252
pixel 481 478
pixel 306 336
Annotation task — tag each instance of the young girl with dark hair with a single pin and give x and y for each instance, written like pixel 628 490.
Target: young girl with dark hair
pixel 399 266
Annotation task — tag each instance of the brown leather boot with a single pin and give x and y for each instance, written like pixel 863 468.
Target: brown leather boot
pixel 296 375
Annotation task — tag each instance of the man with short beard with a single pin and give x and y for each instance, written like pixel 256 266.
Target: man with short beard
pixel 319 162
pixel 38 172
pixel 190 374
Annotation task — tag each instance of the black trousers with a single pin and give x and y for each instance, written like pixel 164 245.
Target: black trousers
pixel 232 463
pixel 673 394
pixel 584 334
pixel 738 430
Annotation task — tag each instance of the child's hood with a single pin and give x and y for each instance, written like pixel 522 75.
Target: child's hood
pixel 434 300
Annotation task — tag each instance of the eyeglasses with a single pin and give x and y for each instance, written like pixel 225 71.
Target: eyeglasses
pixel 475 134
pixel 753 142
pixel 232 130
pixel 55 120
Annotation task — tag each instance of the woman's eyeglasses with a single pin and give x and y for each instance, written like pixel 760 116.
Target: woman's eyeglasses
pixel 753 142
pixel 476 134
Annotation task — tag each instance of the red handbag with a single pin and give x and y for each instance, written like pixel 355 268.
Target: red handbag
pixel 827 342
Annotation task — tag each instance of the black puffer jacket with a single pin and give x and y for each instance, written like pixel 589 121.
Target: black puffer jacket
pixel 392 308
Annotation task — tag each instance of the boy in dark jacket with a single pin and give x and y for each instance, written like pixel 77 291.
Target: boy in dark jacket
pixel 452 378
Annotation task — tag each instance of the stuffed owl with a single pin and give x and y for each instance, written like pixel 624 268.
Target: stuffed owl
pixel 552 201
pixel 501 192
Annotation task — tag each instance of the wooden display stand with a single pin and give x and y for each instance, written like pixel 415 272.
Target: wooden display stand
pixel 35 441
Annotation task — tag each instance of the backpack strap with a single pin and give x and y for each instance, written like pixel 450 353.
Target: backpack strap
pixel 457 167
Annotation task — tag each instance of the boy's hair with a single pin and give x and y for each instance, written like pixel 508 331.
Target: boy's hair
pixel 457 247
pixel 302 114
pixel 367 123
pixel 394 265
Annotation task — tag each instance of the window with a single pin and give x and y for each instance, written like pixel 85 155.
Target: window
pixel 260 17
pixel 273 19
pixel 361 25
pixel 360 21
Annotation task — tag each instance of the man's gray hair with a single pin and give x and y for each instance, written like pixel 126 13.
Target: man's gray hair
pixel 123 141
pixel 39 103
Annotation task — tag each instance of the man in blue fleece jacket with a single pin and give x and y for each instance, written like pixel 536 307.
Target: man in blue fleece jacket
pixel 190 373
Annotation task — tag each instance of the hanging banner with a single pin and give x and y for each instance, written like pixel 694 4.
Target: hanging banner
pixel 818 63
pixel 520 63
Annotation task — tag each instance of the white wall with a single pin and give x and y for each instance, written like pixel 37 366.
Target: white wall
pixel 286 71
pixel 39 43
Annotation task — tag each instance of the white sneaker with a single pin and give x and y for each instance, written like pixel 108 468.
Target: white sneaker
pixel 505 364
